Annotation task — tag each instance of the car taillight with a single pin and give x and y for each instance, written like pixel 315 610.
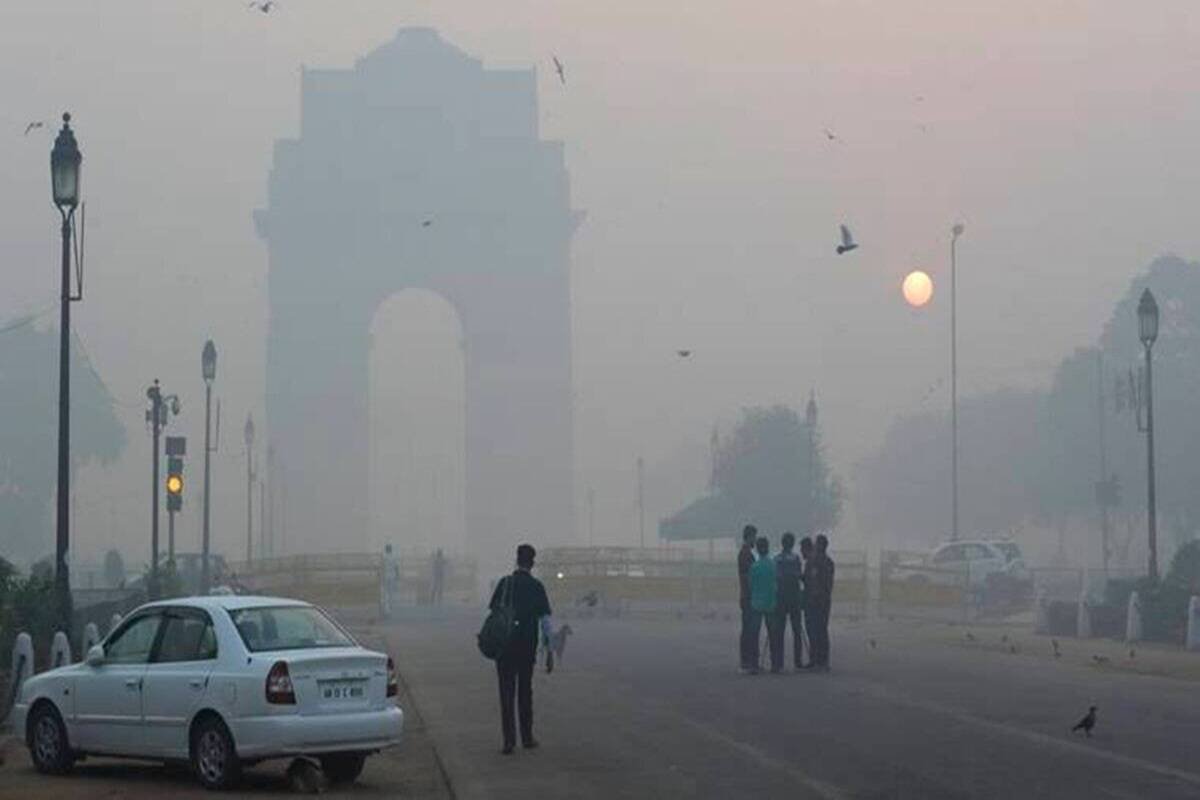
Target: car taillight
pixel 393 679
pixel 279 685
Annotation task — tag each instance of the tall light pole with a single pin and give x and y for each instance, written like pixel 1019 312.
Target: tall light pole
pixel 955 232
pixel 1147 312
pixel 208 369
pixel 641 501
pixel 810 422
pixel 65 160
pixel 248 433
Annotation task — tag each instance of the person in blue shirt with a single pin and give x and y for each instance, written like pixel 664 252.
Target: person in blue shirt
pixel 763 588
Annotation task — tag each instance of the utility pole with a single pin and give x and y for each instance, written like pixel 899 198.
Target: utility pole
pixel 591 500
pixel 249 439
pixel 955 232
pixel 1103 486
pixel 810 423
pixel 641 501
pixel 208 371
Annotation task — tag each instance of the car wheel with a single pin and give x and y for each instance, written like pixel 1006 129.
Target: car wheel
pixel 214 758
pixel 343 767
pixel 48 745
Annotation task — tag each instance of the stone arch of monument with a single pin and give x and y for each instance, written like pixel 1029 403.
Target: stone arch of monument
pixel 419 168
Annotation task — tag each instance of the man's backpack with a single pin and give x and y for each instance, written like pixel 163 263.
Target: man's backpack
pixel 497 630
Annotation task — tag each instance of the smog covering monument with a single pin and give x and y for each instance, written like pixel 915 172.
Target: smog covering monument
pixel 420 169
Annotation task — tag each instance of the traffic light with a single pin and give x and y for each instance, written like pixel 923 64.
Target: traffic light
pixel 174 483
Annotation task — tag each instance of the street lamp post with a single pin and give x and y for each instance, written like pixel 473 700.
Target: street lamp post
pixel 208 369
pixel 65 160
pixel 955 232
pixel 249 437
pixel 1148 331
pixel 810 423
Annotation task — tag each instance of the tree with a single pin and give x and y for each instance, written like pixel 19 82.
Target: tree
pixel 29 432
pixel 771 471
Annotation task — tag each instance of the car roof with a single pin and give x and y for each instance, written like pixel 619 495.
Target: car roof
pixel 227 602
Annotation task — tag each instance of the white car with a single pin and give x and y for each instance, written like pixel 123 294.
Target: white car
pixel 970 563
pixel 220 682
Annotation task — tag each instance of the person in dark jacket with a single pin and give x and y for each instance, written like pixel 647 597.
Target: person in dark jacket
pixel 818 600
pixel 748 645
pixel 514 668
pixel 789 570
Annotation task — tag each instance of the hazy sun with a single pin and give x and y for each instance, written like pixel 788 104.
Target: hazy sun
pixel 917 288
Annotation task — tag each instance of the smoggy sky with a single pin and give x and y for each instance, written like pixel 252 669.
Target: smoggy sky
pixel 1064 134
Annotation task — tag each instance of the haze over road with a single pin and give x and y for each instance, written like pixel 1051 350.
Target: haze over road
pixel 655 708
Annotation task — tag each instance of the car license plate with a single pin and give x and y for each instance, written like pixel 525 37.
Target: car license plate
pixel 342 690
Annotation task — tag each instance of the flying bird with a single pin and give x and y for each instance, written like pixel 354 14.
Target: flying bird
pixel 683 353
pixel 33 126
pixel 970 636
pixel 264 6
pixel 558 67
pixel 848 242
pixel 830 135
pixel 426 223
pixel 1087 723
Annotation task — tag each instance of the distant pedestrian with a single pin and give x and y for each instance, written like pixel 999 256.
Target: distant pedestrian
pixel 745 559
pixel 439 567
pixel 763 590
pixel 514 668
pixel 789 570
pixel 818 601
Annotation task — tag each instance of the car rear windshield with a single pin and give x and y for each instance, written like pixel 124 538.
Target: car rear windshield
pixel 287 628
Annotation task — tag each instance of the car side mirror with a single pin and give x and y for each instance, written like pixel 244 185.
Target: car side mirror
pixel 95 656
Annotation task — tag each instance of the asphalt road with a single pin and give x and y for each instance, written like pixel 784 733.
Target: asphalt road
pixel 657 709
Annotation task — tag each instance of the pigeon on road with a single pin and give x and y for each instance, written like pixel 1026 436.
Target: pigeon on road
pixel 1054 644
pixel 1087 723
pixel 848 242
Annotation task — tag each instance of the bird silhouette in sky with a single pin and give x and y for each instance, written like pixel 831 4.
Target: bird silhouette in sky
pixel 426 223
pixel 848 242
pixel 33 126
pixel 265 6
pixel 1087 723
pixel 683 353
pixel 558 67
pixel 830 135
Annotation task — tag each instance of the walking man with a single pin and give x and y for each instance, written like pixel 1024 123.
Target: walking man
pixel 747 644
pixel 818 596
pixel 789 569
pixel 514 668
pixel 763 590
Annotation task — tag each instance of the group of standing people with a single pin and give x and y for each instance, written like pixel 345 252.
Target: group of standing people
pixel 795 588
